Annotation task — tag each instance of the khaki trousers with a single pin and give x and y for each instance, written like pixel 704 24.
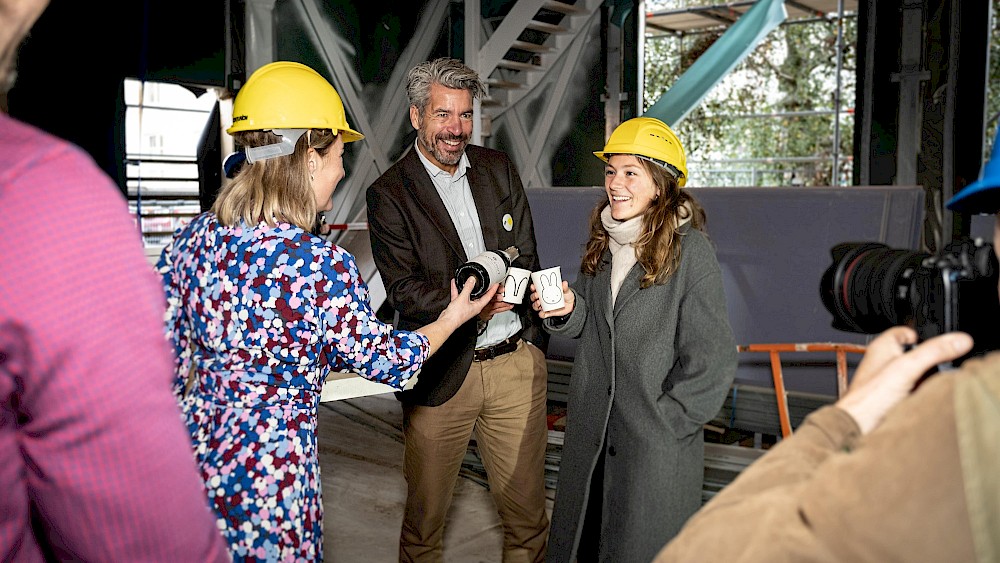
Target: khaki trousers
pixel 504 400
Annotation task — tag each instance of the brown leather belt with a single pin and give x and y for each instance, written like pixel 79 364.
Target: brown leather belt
pixel 490 352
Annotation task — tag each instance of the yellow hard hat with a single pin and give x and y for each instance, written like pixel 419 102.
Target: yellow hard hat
pixel 285 95
pixel 649 138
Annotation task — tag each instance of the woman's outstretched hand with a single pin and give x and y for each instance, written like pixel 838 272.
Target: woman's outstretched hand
pixel 462 307
pixel 460 310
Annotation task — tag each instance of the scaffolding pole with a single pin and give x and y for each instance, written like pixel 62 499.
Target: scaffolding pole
pixel 835 176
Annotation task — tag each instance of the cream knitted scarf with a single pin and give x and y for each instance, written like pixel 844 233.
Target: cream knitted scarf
pixel 621 235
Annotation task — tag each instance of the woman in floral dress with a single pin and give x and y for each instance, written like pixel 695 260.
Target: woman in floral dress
pixel 260 311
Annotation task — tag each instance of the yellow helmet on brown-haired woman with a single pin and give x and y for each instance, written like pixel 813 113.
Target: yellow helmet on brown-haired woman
pixel 652 139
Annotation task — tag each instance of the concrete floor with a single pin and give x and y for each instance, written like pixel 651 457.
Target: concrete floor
pixel 361 456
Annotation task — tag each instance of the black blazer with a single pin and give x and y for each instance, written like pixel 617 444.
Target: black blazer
pixel 417 250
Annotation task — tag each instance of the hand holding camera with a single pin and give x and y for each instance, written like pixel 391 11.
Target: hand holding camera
pixel 888 372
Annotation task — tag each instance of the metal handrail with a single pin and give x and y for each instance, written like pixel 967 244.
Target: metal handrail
pixel 775 350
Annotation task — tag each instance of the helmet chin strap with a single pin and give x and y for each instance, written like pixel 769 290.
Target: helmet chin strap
pixel 286 147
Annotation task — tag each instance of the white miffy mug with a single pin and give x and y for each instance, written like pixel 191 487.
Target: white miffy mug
pixel 548 284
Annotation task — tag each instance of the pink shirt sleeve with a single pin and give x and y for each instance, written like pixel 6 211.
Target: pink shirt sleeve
pixel 90 433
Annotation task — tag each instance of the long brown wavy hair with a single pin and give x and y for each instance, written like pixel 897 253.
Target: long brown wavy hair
pixel 658 246
pixel 276 188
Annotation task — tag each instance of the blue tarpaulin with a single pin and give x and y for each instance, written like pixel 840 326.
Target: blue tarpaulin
pixel 718 61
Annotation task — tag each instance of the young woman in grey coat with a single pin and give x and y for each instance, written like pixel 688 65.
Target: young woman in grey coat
pixel 655 361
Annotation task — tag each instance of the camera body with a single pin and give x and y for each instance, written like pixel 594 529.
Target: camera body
pixel 871 287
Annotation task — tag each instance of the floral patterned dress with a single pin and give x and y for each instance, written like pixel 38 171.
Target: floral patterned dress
pixel 259 316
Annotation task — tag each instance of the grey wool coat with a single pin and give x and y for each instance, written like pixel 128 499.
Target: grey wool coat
pixel 647 376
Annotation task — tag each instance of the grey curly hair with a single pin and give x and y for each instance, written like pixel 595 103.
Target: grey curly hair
pixel 448 72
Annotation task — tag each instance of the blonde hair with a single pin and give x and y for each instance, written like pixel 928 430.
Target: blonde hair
pixel 276 189
pixel 658 246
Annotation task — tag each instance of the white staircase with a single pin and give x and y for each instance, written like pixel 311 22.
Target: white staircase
pixel 522 46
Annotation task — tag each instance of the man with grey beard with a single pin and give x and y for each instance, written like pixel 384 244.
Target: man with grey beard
pixel 443 203
pixel 97 465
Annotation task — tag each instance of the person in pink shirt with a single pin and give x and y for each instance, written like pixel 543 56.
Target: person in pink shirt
pixel 96 464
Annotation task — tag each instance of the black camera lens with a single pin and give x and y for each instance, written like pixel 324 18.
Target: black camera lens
pixel 871 287
pixel 867 286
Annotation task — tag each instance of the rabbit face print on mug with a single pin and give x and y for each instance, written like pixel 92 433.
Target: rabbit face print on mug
pixel 548 284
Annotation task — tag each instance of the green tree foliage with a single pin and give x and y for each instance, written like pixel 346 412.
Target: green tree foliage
pixel 993 95
pixel 771 121
pixel 773 116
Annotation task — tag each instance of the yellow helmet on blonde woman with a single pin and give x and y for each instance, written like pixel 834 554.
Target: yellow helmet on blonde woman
pixel 651 139
pixel 288 98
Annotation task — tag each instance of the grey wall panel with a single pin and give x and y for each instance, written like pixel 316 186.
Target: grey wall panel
pixel 981 226
pixel 773 245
